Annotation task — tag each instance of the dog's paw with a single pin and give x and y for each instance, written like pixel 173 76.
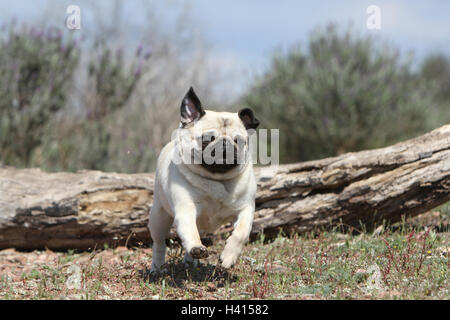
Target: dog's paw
pixel 199 252
pixel 194 263
pixel 156 271
pixel 227 260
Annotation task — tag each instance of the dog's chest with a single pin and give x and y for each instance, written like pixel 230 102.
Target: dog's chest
pixel 213 215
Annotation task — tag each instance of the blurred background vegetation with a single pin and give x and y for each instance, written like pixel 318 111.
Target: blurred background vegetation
pixel 347 92
pixel 70 103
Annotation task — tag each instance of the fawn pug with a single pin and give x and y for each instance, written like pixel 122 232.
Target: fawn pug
pixel 204 178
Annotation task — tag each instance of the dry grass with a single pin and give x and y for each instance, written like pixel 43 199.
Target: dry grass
pixel 403 262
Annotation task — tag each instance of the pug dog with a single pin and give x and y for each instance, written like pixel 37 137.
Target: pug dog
pixel 204 179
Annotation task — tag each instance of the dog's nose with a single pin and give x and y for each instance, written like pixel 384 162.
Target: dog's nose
pixel 227 145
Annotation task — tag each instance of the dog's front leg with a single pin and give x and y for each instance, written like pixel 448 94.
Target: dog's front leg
pixel 238 238
pixel 186 226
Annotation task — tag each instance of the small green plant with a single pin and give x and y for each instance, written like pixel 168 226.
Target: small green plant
pixel 261 287
pixel 406 258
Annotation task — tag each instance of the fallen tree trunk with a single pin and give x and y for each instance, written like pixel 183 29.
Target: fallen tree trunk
pixel 87 209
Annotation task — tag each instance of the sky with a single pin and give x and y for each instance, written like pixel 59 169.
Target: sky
pixel 251 30
pixel 243 34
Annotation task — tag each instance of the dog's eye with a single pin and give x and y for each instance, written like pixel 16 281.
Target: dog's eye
pixel 239 140
pixel 208 138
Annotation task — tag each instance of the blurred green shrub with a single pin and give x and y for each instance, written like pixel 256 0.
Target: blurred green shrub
pixel 436 70
pixel 345 93
pixel 36 73
pixel 120 108
pixel 106 108
pixel 111 79
pixel 86 142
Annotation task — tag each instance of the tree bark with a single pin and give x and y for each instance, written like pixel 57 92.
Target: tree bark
pixel 88 209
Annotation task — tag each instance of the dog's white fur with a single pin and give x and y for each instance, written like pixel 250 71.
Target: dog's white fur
pixel 195 199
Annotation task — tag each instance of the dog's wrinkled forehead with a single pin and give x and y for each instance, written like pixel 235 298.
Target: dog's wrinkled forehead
pixel 194 117
pixel 224 123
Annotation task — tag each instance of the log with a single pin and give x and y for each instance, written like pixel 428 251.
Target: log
pixel 88 209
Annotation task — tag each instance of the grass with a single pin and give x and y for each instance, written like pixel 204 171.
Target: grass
pixel 405 261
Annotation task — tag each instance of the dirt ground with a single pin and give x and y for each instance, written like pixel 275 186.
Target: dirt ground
pixel 405 261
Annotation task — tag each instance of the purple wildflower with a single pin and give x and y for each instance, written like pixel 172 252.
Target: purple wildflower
pixel 54 34
pixel 148 53
pixel 119 53
pixel 139 50
pixel 139 69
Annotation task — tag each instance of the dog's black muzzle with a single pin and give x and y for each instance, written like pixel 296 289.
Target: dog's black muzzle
pixel 220 157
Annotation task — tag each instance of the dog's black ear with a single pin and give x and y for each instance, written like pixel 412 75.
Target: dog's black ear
pixel 248 118
pixel 191 108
